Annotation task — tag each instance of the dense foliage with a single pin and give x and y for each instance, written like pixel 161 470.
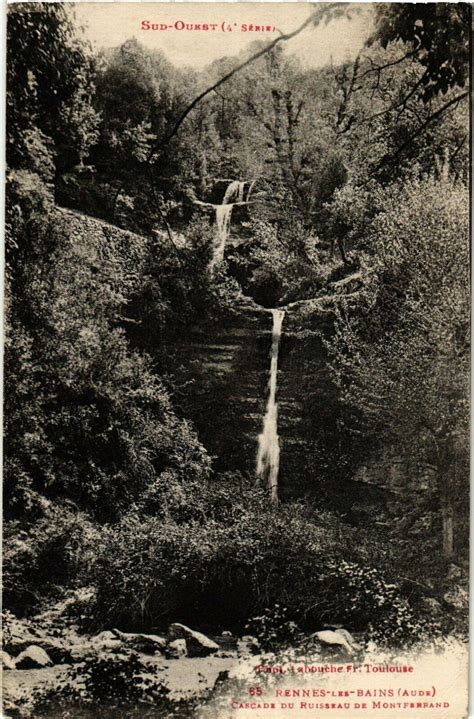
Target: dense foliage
pixel 357 202
pixel 404 363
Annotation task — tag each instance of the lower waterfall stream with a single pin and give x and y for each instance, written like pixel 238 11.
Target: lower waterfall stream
pixel 268 456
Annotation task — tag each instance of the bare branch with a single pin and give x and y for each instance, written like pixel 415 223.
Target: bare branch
pixel 379 68
pixel 419 130
pixel 453 156
pixel 314 18
pixel 157 206
pixel 401 104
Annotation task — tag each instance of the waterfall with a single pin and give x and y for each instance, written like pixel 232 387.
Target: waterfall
pixel 235 189
pixel 251 186
pixel 223 214
pixel 268 457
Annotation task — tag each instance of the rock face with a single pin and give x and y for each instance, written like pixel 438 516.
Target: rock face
pixel 298 469
pixel 197 644
pixel 33 658
pixel 225 369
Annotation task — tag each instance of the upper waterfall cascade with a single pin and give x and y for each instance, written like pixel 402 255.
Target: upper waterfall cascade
pixel 235 191
pixel 268 457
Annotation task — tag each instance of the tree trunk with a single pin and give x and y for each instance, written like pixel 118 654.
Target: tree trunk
pixel 447 513
pixel 448 529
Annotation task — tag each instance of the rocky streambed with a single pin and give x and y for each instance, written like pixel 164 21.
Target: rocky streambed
pixel 46 654
pixel 186 674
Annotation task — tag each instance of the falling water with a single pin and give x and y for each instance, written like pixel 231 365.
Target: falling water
pixel 249 191
pixel 223 214
pixel 235 190
pixel 268 457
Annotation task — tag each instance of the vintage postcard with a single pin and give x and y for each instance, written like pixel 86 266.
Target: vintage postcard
pixel 237 316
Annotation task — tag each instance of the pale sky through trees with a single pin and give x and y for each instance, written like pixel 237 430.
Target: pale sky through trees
pixel 110 24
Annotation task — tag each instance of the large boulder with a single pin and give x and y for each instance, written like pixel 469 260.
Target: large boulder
pixel 87 648
pixel 20 634
pixel 7 661
pixel 82 651
pixel 106 641
pixel 145 643
pixel 339 637
pixel 58 649
pixel 177 649
pixel 198 645
pixel 33 657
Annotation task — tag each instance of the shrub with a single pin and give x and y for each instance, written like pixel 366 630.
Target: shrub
pixel 88 417
pixel 282 265
pixel 121 681
pixel 220 575
pixel 221 498
pixel 273 629
pixel 377 603
pixel 39 562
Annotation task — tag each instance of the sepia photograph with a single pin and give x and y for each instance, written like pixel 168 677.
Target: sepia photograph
pixel 236 360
